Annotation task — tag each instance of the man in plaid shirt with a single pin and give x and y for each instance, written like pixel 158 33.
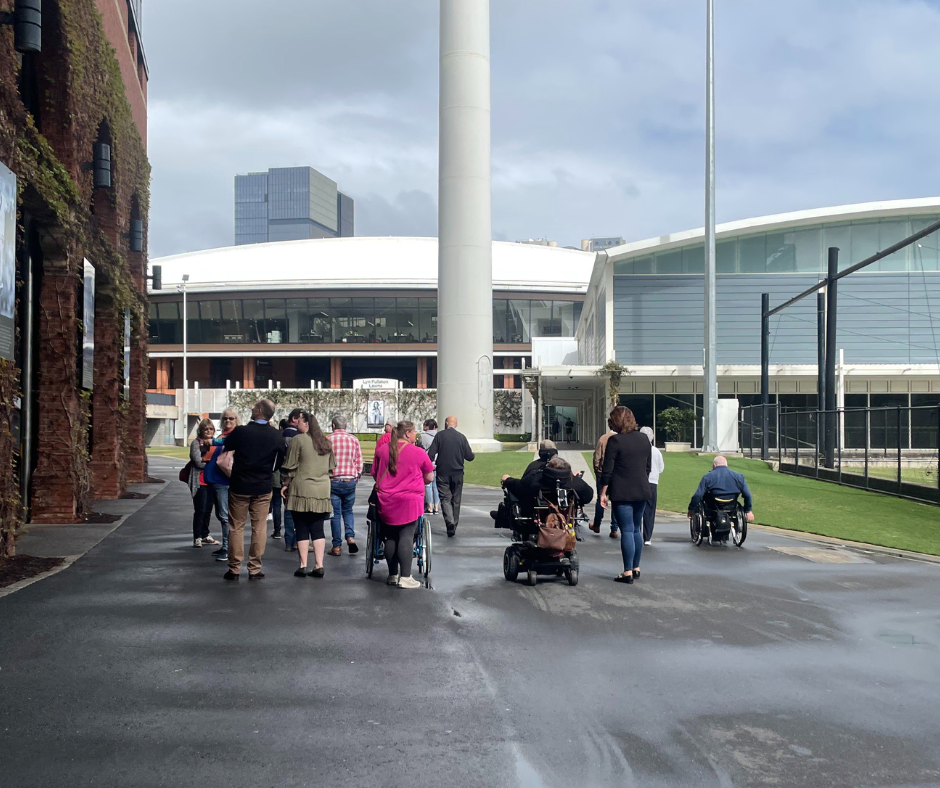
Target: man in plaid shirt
pixel 346 475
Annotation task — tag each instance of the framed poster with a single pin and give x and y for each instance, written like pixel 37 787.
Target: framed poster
pixel 7 262
pixel 127 353
pixel 88 321
pixel 375 416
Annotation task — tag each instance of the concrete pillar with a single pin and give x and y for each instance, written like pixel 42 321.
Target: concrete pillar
pixel 465 256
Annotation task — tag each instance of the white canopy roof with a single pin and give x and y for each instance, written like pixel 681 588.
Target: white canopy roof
pixel 358 263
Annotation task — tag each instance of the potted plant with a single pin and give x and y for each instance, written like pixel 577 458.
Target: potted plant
pixel 676 423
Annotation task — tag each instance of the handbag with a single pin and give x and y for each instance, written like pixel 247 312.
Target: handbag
pixel 373 513
pixel 185 471
pixel 553 534
pixel 225 462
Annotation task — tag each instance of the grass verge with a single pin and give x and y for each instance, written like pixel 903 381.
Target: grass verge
pixel 176 452
pixel 812 506
pixel 488 469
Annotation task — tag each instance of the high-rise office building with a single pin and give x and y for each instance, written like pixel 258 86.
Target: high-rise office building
pixel 290 204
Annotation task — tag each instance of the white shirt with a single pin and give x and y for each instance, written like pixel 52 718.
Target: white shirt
pixel 657 466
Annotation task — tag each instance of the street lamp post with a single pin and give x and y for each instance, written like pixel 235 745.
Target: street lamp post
pixel 185 363
pixel 710 436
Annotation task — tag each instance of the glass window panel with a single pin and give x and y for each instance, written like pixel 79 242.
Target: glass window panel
pixel 210 316
pixel 924 254
pixel 808 246
pixel 854 420
pixel 253 320
pixel 840 237
pixel 428 310
pixel 726 261
pixel 781 253
pixel 891 233
pixel 407 320
pixel 154 325
pixel 518 321
pixel 193 325
pixel 275 321
pixel 622 267
pixel 321 321
pixel 171 330
pixel 577 306
pixel 753 254
pixel 386 319
pixel 643 266
pixel 924 420
pixel 500 321
pixel 884 423
pixel 233 328
pixel 563 314
pixel 669 262
pixel 693 260
pixel 542 319
pixel 865 242
pixel 298 320
pixel 340 317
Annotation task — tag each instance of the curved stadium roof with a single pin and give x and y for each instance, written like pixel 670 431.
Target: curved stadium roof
pixel 358 263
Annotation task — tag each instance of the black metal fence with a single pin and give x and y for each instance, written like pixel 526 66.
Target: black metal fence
pixel 894 450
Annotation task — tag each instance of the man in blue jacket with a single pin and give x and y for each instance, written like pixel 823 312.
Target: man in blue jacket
pixel 722 482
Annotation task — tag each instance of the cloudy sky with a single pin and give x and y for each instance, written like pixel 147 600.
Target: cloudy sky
pixel 598 110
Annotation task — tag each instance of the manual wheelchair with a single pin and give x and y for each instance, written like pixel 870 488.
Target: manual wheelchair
pixel 375 548
pixel 717 520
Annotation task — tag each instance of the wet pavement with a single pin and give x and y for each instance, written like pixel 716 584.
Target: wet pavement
pixel 786 663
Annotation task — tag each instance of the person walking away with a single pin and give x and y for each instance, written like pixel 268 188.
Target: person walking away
pixel 385 437
pixel 348 453
pixel 306 476
pixel 199 488
pixel 258 451
pixel 432 498
pixel 219 481
pixel 624 484
pixel 598 465
pixel 289 431
pixel 569 429
pixel 401 470
pixel 556 429
pixel 449 450
pixel 657 466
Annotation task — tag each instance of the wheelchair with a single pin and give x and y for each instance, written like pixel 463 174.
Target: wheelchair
pixel 524 555
pixel 375 548
pixel 717 520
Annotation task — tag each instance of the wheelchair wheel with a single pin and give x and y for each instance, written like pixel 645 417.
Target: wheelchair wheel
pixel 426 542
pixel 533 577
pixel 739 529
pixel 370 549
pixel 510 564
pixel 697 528
pixel 572 576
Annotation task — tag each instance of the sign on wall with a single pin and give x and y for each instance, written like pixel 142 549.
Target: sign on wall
pixel 7 262
pixel 375 416
pixel 376 384
pixel 88 321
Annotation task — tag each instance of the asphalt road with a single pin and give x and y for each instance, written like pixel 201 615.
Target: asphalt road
pixel 139 666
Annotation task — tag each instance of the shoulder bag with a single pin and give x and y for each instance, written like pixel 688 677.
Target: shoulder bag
pixel 185 471
pixel 553 534
pixel 225 462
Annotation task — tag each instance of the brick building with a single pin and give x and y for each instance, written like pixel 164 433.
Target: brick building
pixel 72 131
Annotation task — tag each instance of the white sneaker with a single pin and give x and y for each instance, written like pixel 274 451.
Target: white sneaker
pixel 647 542
pixel 392 580
pixel 197 542
pixel 408 582
pixel 210 540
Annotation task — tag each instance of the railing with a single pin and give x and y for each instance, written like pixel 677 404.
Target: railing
pixel 893 450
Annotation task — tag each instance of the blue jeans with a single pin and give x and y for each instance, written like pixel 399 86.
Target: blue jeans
pixel 343 497
pixel 630 517
pixel 221 510
pixel 290 536
pixel 431 494
pixel 599 515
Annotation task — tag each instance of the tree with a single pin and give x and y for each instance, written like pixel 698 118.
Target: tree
pixel 676 422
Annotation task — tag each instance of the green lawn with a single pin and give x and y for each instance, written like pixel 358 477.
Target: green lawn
pixel 808 505
pixel 488 469
pixel 176 452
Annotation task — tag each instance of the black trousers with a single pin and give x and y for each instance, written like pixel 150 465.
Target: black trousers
pixel 451 491
pixel 400 547
pixel 202 511
pixel 649 514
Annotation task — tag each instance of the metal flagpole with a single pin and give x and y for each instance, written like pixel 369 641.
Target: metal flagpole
pixel 185 367
pixel 710 432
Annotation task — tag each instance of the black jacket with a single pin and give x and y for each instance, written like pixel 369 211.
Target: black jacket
pixel 259 451
pixel 536 465
pixel 627 467
pixel 448 451
pixel 546 481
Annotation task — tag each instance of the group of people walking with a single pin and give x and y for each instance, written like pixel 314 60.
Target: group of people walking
pixel 301 477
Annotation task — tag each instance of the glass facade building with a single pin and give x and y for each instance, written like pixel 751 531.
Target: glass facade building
pixel 290 204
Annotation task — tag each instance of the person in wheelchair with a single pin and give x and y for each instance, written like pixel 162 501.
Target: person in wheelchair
pixel 542 484
pixel 719 490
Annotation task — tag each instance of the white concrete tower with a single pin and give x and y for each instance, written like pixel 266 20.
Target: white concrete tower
pixel 465 231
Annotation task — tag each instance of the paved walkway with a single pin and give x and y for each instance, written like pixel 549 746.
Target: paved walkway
pixel 786 663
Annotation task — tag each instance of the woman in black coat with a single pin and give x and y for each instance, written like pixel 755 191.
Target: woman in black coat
pixel 624 484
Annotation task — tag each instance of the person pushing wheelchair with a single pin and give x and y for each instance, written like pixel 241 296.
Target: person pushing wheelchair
pixel 721 484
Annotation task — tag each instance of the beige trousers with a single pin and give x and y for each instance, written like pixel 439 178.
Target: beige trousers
pixel 240 508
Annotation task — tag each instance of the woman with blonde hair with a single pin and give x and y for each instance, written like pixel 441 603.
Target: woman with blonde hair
pixel 305 476
pixel 624 484
pixel 401 470
pixel 219 481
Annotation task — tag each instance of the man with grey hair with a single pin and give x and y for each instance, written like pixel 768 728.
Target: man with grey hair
pixel 258 452
pixel 657 466
pixel 348 454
